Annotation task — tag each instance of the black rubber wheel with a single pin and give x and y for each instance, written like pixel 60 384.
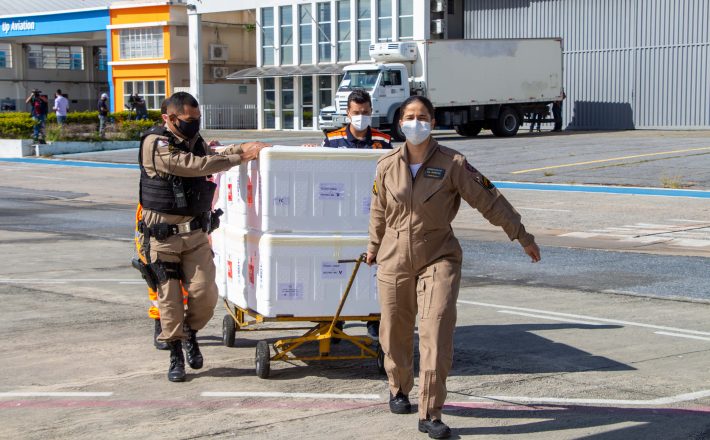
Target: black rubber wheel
pixel 469 130
pixel 339 325
pixel 396 130
pixel 263 360
pixel 229 331
pixel 380 360
pixel 507 124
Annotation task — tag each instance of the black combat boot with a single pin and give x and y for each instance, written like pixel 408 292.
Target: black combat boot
pixel 435 428
pixel 399 404
pixel 158 344
pixel 176 373
pixel 192 350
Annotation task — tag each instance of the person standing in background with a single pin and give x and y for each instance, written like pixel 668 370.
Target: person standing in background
pixel 61 105
pixel 103 114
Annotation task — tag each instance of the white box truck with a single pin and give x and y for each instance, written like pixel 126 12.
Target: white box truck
pixel 473 84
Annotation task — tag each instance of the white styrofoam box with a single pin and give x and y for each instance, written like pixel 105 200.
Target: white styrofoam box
pixel 233 187
pixel 234 265
pixel 218 248
pixel 311 190
pixel 299 275
pixel 220 198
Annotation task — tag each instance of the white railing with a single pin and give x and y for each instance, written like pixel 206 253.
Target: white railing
pixel 228 117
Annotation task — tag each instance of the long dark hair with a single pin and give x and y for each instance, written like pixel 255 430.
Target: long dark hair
pixel 417 98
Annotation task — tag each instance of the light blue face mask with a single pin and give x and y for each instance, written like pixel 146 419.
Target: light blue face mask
pixel 415 131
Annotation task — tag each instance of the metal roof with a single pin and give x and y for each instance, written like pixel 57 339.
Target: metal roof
pixel 19 8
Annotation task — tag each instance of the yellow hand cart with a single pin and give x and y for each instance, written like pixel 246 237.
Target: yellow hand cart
pixel 326 331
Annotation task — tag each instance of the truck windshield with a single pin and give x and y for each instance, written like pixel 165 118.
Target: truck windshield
pixel 359 80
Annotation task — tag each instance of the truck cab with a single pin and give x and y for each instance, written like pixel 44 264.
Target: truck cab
pixel 387 84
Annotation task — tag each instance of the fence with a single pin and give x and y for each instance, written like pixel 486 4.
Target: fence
pixel 225 117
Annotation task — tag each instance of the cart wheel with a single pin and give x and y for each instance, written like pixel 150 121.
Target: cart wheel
pixel 229 330
pixel 263 359
pixel 380 360
pixel 340 325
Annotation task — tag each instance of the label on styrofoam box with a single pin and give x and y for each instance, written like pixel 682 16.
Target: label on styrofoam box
pixel 331 191
pixel 330 270
pixel 290 291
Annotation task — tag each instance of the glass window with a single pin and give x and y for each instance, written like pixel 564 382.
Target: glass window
pixel 55 57
pixel 5 56
pixel 306 33
pixel 363 29
pixel 267 36
pixel 269 105
pixel 287 104
pixel 325 91
pixel 344 30
pixel 354 79
pixel 324 38
pixel 406 19
pixel 384 20
pixel 141 43
pixel 307 102
pixel 286 35
pixel 102 59
pixel 153 92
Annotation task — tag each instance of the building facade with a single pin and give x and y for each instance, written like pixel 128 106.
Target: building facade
pixel 628 63
pixel 120 48
pixel 302 47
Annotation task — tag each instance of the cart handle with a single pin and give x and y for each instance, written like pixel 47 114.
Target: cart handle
pixel 360 259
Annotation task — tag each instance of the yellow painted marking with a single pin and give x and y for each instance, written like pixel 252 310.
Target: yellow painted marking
pixel 610 160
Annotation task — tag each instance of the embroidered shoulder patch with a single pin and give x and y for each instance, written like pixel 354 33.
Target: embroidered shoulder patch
pixel 478 177
pixel 434 173
pixel 374 187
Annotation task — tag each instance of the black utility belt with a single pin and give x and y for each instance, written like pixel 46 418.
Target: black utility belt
pixel 207 222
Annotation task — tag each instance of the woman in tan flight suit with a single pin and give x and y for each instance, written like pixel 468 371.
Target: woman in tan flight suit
pixel 417 192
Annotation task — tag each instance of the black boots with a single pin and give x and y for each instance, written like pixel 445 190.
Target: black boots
pixel 158 344
pixel 192 350
pixel 176 373
pixel 435 428
pixel 399 404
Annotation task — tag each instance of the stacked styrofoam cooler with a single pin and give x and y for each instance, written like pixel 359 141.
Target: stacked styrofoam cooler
pixel 289 217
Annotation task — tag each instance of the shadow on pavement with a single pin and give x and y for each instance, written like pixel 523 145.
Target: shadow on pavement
pixel 631 423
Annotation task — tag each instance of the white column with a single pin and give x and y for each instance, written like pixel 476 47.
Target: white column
pixel 422 20
pixel 316 102
pixel 194 24
pixel 278 124
pixel 297 107
pixel 260 103
pixel 395 20
pixel 353 31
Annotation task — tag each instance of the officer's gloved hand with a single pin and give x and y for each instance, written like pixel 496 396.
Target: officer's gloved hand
pixel 214 220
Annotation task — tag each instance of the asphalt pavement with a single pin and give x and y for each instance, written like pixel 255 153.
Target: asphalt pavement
pixel 606 338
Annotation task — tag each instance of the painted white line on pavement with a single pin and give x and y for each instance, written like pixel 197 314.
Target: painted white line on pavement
pixel 570 315
pixel 56 394
pixel 550 318
pixel 292 395
pixel 64 281
pixel 682 336
pixel 660 401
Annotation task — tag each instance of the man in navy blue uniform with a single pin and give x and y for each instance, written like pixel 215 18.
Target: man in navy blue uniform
pixel 358 133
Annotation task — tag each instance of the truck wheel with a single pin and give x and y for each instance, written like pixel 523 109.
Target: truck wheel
pixel 396 130
pixel 507 123
pixel 469 130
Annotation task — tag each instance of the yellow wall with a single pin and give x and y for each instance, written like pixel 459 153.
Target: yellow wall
pixel 139 72
pixel 151 72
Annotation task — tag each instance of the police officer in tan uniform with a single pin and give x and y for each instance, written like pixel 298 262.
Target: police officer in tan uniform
pixel 176 195
pixel 417 192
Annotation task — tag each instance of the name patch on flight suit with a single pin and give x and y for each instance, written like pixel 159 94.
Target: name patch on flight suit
pixel 434 173
pixel 479 178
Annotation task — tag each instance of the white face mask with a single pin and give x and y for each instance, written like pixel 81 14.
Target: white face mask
pixel 416 132
pixel 360 122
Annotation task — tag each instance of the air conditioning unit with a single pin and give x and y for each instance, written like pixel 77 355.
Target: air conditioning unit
pixel 218 52
pixel 392 52
pixel 438 27
pixel 438 6
pixel 220 72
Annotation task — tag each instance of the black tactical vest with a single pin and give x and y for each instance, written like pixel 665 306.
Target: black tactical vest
pixel 187 196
